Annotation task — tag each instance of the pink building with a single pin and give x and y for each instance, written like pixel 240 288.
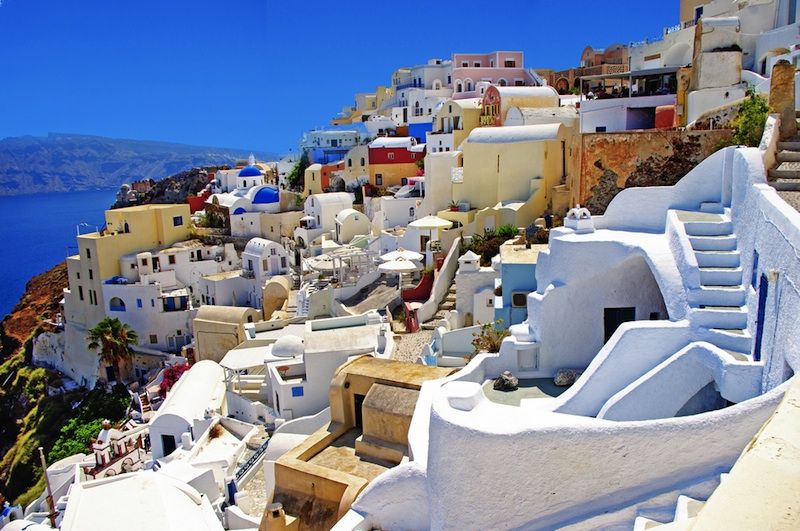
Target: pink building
pixel 498 68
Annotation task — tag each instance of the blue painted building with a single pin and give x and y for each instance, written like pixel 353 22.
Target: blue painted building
pixel 418 130
pixel 517 266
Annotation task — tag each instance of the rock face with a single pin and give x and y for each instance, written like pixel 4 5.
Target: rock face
pixel 506 382
pixel 565 377
pixel 612 162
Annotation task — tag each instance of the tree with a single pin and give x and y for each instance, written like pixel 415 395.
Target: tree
pixel 296 176
pixel 114 339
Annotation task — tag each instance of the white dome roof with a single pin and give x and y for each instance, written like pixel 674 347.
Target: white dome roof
pixel 288 347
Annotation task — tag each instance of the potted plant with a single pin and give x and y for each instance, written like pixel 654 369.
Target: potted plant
pixel 283 370
pixel 453 206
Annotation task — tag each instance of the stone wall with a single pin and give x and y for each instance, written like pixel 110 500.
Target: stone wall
pixel 613 161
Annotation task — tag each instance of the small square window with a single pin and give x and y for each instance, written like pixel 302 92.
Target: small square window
pixel 390 156
pixel 177 221
pixel 153 339
pixel 297 391
pixel 133 266
pixel 519 299
pixel 171 259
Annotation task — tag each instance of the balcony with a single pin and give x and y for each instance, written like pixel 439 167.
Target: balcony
pixel 248 273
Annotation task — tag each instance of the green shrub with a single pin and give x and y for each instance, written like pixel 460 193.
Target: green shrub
pixel 489 339
pixel 751 120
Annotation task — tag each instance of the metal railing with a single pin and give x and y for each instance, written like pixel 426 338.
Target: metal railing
pixel 251 462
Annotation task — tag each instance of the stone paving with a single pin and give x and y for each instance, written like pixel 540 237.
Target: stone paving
pixel 409 346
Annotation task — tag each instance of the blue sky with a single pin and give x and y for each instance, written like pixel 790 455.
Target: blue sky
pixel 255 73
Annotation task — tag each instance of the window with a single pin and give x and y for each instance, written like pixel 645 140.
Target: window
pixel 283 262
pixel 78 275
pixel 91 275
pixel 519 299
pixel 510 63
pixel 378 179
pixel 80 292
pixel 171 259
pixel 152 303
pixel 297 391
pixel 491 63
pixel 448 80
pixel 476 64
pixel 144 262
pixel 411 212
pixel 272 251
pixel 133 266
pixel 503 82
pixel 754 276
pixel 349 163
pixel 519 83
pixel 390 156
pixel 179 332
pixel 153 339
pixel 613 317
pixel 464 64
pixel 600 129
pixel 362 161
pixel 177 221
pixel 88 253
pixel 116 304
pixel 265 264
pixel 138 303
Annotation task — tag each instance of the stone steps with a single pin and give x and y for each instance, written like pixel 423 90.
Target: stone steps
pixel 789 156
pixel 735 339
pixel 715 295
pixel 721 276
pixel 713 243
pixel 720 317
pixel 718 258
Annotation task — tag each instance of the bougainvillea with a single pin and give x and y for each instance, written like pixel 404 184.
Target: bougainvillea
pixel 171 375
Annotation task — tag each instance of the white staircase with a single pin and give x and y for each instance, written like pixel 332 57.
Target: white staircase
pixel 718 305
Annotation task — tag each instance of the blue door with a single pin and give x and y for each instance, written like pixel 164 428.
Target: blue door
pixel 763 287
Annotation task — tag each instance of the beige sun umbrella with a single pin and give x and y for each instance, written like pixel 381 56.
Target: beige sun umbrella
pixel 400 266
pixel 405 254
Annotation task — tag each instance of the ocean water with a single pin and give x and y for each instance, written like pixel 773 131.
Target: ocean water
pixel 38 231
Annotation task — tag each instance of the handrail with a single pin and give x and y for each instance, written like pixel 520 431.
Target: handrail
pixel 250 463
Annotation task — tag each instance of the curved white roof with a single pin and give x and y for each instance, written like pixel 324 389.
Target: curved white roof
pixel 514 133
pixel 331 198
pixel 517 92
pixel 346 213
pixel 258 246
pixel 200 388
pixel 392 142
pixel 289 346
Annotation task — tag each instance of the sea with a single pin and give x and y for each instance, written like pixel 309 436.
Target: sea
pixel 38 231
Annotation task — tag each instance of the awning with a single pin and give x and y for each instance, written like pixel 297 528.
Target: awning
pixel 634 74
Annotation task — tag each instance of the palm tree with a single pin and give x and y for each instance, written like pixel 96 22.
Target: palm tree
pixel 114 339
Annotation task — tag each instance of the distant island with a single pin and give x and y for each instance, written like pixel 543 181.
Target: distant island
pixel 72 163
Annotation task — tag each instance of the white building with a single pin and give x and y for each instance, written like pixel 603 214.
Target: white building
pixel 679 305
pixel 320 212
pixel 188 408
pixel 350 223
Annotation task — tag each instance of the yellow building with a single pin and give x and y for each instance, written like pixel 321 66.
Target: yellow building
pixel 356 164
pixel 452 124
pixel 509 174
pixel 127 230
pixel 372 401
pixel 312 180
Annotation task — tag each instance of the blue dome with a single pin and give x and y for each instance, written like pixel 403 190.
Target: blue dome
pixel 249 171
pixel 267 194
